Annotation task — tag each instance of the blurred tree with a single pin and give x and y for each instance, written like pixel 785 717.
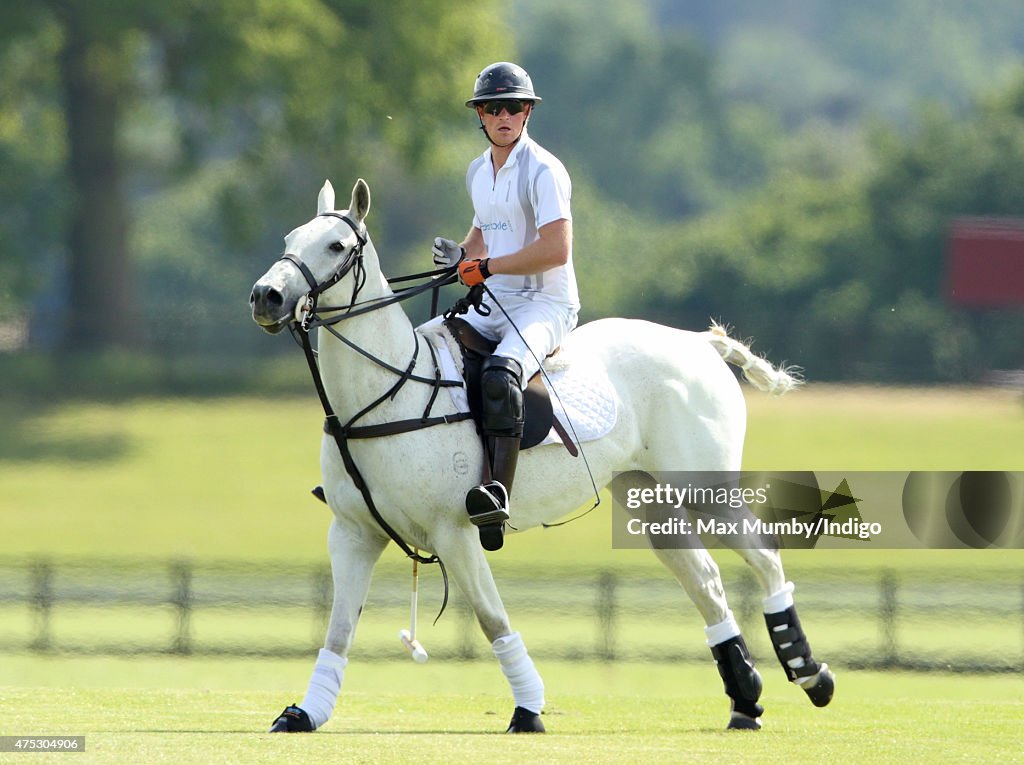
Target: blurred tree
pixel 634 108
pixel 845 271
pixel 265 81
pixel 813 59
pixel 31 154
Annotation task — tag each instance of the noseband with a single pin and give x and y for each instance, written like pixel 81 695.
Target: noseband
pixel 354 259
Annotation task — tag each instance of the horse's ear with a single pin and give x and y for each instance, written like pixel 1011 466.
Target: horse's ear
pixel 360 204
pixel 325 202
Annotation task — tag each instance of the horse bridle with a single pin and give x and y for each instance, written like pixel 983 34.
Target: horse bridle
pixel 354 259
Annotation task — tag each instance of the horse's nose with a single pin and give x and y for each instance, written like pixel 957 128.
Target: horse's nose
pixel 264 297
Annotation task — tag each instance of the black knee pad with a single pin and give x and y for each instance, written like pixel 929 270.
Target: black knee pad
pixel 502 397
pixel 742 681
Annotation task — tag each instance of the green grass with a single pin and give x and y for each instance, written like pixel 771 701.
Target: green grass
pixel 197 711
pixel 205 478
pixel 230 478
pixel 824 427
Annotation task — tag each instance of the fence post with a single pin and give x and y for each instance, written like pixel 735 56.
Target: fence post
pixel 466 650
pixel 323 601
pixel 887 612
pixel 606 612
pixel 181 578
pixel 749 609
pixel 42 602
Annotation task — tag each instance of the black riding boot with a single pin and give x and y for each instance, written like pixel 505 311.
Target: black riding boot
pixel 488 504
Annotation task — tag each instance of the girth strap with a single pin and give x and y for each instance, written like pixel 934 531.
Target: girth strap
pixel 394 428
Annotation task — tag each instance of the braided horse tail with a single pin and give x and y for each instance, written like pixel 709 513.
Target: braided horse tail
pixel 757 371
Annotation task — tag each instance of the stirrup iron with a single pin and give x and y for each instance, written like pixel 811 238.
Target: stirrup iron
pixel 487 506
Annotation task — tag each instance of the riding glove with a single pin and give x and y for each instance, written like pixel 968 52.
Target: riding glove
pixel 446 252
pixel 473 272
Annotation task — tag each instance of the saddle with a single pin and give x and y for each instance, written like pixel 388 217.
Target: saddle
pixel 539 414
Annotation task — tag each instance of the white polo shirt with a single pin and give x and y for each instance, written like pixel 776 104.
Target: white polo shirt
pixel 531 190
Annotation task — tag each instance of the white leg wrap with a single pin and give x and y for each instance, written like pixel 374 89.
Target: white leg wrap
pixel 780 600
pixel 324 686
pixel 725 629
pixel 527 687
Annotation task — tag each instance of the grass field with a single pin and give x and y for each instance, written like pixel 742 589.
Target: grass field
pixel 229 479
pixel 197 711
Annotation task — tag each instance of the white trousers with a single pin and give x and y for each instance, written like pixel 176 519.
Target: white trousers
pixel 542 326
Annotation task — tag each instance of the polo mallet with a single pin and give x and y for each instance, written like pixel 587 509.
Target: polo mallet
pixel 408 637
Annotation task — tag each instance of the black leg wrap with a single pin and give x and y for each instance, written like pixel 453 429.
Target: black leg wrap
pixel 292 720
pixel 790 642
pixel 525 721
pixel 742 682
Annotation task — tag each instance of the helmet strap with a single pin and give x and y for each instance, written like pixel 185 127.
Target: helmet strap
pixel 484 130
pixel 491 140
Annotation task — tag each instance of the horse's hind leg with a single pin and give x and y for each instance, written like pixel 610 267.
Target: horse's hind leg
pixel 460 549
pixel 784 628
pixel 699 576
pixel 353 555
pixel 698 573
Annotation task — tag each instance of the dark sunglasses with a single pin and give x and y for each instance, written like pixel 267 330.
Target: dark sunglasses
pixel 494 107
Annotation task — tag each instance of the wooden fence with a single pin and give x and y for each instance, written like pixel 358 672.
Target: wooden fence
pixel 927 619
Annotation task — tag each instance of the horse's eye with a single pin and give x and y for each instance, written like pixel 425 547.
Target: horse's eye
pixel 337 247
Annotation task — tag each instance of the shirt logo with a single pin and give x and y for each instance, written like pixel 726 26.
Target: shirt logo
pixel 503 225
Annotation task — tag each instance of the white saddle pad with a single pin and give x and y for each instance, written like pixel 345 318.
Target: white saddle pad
pixel 581 394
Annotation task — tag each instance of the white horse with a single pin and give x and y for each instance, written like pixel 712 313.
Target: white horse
pixel 680 408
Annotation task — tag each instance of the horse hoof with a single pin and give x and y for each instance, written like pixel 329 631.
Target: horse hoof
pixel 740 721
pixel 821 692
pixel 292 720
pixel 525 721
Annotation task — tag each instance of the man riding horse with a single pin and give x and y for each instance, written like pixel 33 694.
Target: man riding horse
pixel 689 415
pixel 520 248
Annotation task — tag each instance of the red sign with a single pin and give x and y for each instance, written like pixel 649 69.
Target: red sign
pixel 986 263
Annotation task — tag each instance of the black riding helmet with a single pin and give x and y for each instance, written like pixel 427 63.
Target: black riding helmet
pixel 503 81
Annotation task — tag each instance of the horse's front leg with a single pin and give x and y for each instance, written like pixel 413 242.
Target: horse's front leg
pixel 353 555
pixel 459 547
pixel 784 628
